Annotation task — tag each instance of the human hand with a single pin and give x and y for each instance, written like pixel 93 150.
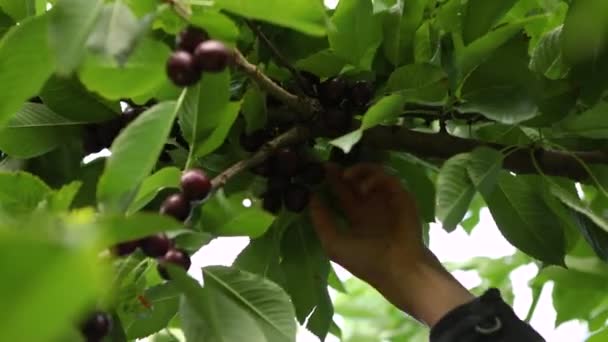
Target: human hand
pixel 384 234
pixel 383 242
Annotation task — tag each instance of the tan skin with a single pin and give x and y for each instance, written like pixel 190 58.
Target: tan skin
pixel 383 243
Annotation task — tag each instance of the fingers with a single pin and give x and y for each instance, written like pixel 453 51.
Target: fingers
pixel 370 178
pixel 342 189
pixel 324 223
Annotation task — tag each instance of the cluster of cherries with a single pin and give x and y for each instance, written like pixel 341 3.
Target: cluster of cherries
pixel 195 187
pixel 195 53
pixel 288 171
pixel 342 100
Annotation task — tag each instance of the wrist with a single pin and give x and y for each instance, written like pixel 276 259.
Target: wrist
pixel 425 289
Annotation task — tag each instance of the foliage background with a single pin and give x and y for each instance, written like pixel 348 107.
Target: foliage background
pixel 519 85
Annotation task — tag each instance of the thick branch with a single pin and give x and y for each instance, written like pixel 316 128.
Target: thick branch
pixel 294 135
pixel 444 146
pixel 303 105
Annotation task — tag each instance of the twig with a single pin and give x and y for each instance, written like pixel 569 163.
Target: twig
pixel 302 104
pixel 294 135
pixel 281 60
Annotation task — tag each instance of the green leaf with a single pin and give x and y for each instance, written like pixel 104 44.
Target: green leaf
pixel 35 130
pixel 389 107
pixel 265 301
pixel 347 141
pixel 356 33
pixel 579 206
pixel 525 220
pixel 142 73
pixel 400 24
pixel 585 29
pixel 168 177
pixel 24 45
pixel 17 9
pixel 164 302
pixel 503 88
pixel 417 181
pixel 262 255
pixel 68 98
pixel 481 49
pixel 227 216
pixel 61 200
pixel 135 152
pixel 455 191
pixel 55 269
pixel 254 108
pixel 595 236
pixel 6 23
pixel 547 57
pixel 116 229
pixel 203 106
pixel 480 16
pixel 591 124
pixel 21 192
pixel 324 63
pixel 261 309
pixel 116 32
pixel 306 270
pixel 419 82
pixel 577 304
pixel 599 336
pixel 484 167
pixel 218 25
pixel 301 15
pixel 70 23
pixel 228 116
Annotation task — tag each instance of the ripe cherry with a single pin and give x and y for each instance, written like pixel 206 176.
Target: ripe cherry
pixel 155 246
pixel 311 83
pixel 212 56
pixel 97 326
pixel 296 197
pixel 332 91
pixel 265 168
pixel 190 38
pixel 286 162
pixel 312 173
pixel 272 201
pixel 125 248
pixel 337 120
pixel 173 256
pixel 177 206
pixel 182 70
pixel 195 185
pixel 361 93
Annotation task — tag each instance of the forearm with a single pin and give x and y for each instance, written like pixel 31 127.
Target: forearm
pixel 425 291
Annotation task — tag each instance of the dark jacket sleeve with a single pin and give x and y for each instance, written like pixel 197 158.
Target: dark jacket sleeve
pixel 487 318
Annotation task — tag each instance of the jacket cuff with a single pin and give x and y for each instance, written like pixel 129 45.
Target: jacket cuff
pixel 487 318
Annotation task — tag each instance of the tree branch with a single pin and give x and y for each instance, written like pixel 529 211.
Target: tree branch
pixel 294 135
pixel 303 105
pixel 438 146
pixel 444 146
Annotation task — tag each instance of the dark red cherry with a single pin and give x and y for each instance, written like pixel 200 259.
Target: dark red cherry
pixel 195 185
